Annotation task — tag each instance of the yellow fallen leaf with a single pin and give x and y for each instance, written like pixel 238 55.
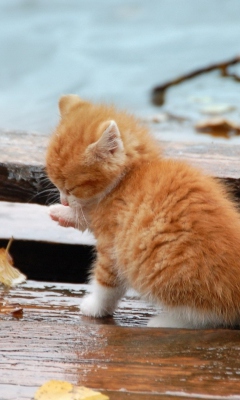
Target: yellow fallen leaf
pixel 60 390
pixel 9 275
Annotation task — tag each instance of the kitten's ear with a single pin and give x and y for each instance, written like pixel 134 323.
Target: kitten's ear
pixel 110 143
pixel 67 101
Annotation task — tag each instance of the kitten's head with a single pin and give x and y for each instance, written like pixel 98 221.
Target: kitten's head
pixel 86 155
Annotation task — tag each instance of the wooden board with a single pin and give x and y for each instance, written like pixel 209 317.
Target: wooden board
pixel 22 176
pixel 119 355
pixel 53 341
pixel 219 160
pixel 60 303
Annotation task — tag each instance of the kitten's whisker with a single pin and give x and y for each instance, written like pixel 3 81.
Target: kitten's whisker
pixel 53 202
pixel 53 191
pixel 77 219
pixel 78 226
pixel 46 179
pixel 83 215
pixel 52 199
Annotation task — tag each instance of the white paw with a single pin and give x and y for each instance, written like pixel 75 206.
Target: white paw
pixel 102 301
pixel 62 214
pixel 165 320
pixel 91 307
pixel 56 211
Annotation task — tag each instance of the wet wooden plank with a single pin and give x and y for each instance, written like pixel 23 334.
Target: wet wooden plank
pixel 22 176
pixel 151 362
pixel 60 303
pixel 119 355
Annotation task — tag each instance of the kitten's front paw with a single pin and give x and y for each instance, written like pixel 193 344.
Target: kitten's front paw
pixel 55 211
pixel 62 214
pixel 91 307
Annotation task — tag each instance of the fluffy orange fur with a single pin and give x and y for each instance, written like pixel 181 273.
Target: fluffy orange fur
pixel 162 227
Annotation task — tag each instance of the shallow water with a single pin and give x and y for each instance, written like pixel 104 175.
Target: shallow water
pixel 116 52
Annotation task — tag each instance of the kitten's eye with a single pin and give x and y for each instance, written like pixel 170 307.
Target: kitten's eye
pixel 72 189
pixel 85 183
pixel 89 183
pixel 69 191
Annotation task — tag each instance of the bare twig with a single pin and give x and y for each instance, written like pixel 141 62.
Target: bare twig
pixel 159 91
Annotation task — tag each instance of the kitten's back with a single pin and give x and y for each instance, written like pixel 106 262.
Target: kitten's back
pixel 178 238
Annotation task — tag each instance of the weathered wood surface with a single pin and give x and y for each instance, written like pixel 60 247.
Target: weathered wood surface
pixel 53 341
pixel 60 303
pixel 220 160
pixel 22 176
pixel 121 357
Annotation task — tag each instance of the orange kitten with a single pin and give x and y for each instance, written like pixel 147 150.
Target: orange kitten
pixel 162 227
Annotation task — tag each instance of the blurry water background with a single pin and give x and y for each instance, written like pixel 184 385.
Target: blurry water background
pixel 116 51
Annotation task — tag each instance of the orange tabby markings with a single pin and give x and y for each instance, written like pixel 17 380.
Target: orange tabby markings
pixel 162 227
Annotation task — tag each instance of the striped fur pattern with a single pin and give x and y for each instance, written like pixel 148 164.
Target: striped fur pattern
pixel 162 227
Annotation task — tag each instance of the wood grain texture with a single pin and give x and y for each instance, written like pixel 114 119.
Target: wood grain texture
pixel 23 183
pixel 219 160
pixel 118 355
pixel 60 303
pixel 22 155
pixel 22 175
pixel 137 360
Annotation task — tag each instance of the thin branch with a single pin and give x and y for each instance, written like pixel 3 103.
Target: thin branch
pixel 159 91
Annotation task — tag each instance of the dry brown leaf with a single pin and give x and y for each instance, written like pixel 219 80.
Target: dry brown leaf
pixel 218 127
pixel 61 390
pixel 15 309
pixel 9 275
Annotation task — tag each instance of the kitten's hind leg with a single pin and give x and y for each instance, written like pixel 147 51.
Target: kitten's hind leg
pixel 167 320
pixel 102 301
pixel 186 317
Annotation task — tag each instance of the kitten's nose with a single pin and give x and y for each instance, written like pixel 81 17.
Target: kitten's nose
pixel 63 200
